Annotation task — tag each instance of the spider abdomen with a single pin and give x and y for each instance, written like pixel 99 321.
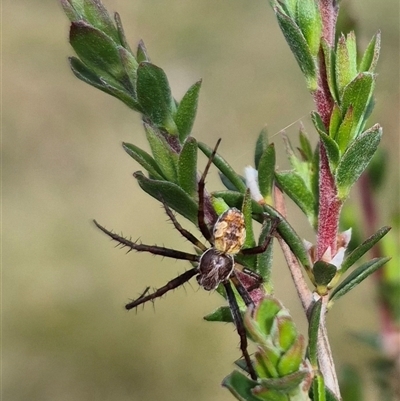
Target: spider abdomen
pixel 229 232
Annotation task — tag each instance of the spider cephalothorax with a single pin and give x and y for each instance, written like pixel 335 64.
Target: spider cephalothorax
pixel 215 265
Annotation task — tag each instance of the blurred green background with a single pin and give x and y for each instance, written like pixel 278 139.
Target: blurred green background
pixel 66 335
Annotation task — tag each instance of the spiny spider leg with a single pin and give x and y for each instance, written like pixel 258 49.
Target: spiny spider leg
pixel 185 233
pixel 154 249
pixel 243 292
pixel 262 248
pixel 237 317
pixel 172 284
pixel 200 214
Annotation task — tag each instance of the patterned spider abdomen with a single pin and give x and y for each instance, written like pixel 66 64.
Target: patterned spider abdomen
pixel 214 268
pixel 230 232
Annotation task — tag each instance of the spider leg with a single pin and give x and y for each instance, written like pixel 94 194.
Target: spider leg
pixel 156 250
pixel 237 317
pixel 185 233
pixel 172 284
pixel 261 248
pixel 247 278
pixel 200 214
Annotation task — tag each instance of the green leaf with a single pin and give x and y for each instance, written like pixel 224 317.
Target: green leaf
pixel 356 277
pixel 172 194
pixel 292 358
pixel 221 314
pixel 290 236
pixel 371 55
pixel 141 53
pixel 248 220
pixel 227 183
pixel 98 52
pixel 164 156
pixel 266 172
pixel 187 167
pixel 154 96
pixel 225 168
pixel 299 47
pixel 314 322
pixel 332 150
pixel 286 332
pixel 235 199
pixel 261 146
pixel 96 14
pixel 356 159
pixel 130 65
pixel 319 390
pixel 330 62
pixel 363 249
pixel 86 75
pixel 335 121
pixel 295 187
pixel 73 12
pixel 241 386
pixel 344 135
pixel 323 273
pixel 346 61
pixel 186 113
pixel 309 20
pixel 305 145
pixel 264 260
pixel 285 384
pixel 144 159
pixel 121 33
pixel 357 94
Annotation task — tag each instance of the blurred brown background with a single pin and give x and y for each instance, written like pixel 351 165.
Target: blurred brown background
pixel 65 333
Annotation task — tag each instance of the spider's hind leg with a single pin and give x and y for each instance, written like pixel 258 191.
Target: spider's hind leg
pixel 237 317
pixel 172 284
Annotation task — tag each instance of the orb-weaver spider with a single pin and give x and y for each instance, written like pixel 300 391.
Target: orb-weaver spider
pixel 216 264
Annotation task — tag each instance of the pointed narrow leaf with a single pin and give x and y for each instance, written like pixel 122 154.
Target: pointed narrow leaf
pixel 292 358
pixel 222 314
pixel 187 167
pixel 266 172
pixel 164 156
pixel 172 194
pixel 363 249
pixel 130 65
pixel 358 94
pixel 225 168
pixel 154 95
pixel 308 19
pixel 356 277
pixel 87 76
pixel 344 134
pixel 248 219
pixel 330 62
pixel 314 323
pixel 141 53
pixel 240 386
pixel 319 390
pixel 336 119
pixel 332 150
pixel 121 33
pixel 235 199
pixel 73 12
pixel 323 273
pixel 228 185
pixel 261 145
pixel 295 187
pixel 186 113
pixel 356 159
pixel 264 260
pixel 285 384
pixel 299 47
pixel 144 159
pixel 97 15
pixel 98 52
pixel 346 61
pixel 305 145
pixel 371 55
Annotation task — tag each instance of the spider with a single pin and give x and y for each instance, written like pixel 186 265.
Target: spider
pixel 215 265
